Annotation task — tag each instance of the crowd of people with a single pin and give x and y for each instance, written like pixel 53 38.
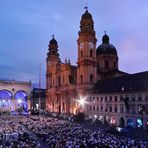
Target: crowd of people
pixel 60 134
pixel 12 134
pixel 64 134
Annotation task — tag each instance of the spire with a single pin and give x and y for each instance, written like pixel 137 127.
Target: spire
pixel 105 38
pixel 52 36
pixel 53 47
pixel 86 7
pixel 86 23
pixel 53 43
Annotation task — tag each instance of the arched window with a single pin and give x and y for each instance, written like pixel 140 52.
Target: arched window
pixel 81 54
pixel 91 52
pixel 21 99
pixel 91 78
pixel 70 79
pixel 110 108
pixel 5 94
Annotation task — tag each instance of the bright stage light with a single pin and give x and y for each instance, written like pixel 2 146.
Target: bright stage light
pixel 19 101
pixel 3 100
pixel 82 101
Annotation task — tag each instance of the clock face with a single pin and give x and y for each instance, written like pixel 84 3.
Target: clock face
pixel 91 45
pixel 81 45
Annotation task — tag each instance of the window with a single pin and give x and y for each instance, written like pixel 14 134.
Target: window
pixel 110 108
pixel 97 108
pixel 139 98
pixel 105 99
pixel 98 99
pixel 81 54
pixel 116 99
pixel 121 98
pixel 90 99
pixel 106 64
pixel 93 108
pixel 93 98
pixel 70 79
pixel 116 109
pixel 90 52
pixel 133 98
pixel 81 78
pixel 101 99
pixel 91 78
pixel 90 108
pixel 106 109
pixel 101 108
pixel 110 98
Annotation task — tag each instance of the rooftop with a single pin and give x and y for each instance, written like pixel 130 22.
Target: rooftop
pixel 126 83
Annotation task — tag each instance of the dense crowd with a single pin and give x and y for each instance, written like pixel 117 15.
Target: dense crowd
pixel 12 134
pixel 64 134
pixel 60 134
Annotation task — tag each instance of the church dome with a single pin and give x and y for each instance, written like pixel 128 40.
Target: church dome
pixel 53 41
pixel 106 47
pixel 87 15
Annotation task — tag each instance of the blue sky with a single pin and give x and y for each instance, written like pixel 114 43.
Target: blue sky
pixel 26 27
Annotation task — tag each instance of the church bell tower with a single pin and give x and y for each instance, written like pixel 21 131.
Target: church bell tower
pixel 52 60
pixel 86 72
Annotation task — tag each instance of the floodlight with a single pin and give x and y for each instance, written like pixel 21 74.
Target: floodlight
pixel 19 101
pixel 82 101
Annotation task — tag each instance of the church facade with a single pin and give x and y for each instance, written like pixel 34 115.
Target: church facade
pixel 96 66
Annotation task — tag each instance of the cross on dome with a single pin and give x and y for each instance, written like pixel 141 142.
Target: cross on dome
pixel 52 36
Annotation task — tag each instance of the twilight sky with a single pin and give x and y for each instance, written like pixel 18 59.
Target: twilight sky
pixel 26 27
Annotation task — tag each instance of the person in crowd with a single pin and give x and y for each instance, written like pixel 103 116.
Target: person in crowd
pixel 58 134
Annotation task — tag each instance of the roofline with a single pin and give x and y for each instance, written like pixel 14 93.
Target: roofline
pixel 14 82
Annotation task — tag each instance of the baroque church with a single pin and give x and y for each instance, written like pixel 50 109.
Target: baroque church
pixel 96 70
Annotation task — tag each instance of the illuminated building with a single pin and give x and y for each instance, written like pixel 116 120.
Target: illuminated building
pixel 14 96
pixel 96 66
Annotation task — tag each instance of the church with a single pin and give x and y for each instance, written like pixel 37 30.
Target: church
pixel 106 91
